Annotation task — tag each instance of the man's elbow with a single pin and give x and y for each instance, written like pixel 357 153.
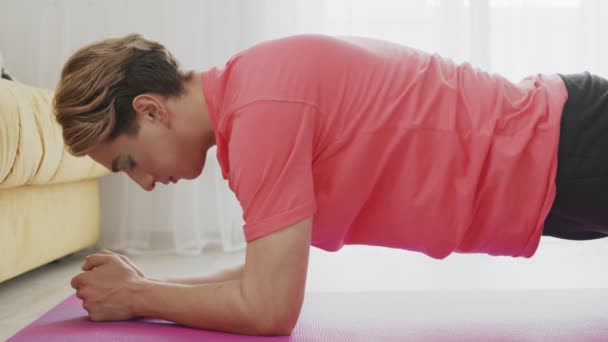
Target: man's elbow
pixel 275 327
pixel 271 328
pixel 278 322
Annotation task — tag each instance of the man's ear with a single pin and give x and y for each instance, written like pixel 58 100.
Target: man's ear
pixel 149 107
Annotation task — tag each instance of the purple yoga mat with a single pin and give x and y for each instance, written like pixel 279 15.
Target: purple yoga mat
pixel 577 315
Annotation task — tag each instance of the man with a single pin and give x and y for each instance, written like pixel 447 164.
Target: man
pixel 329 141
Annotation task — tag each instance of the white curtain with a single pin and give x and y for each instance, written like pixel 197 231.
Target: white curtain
pixel 514 38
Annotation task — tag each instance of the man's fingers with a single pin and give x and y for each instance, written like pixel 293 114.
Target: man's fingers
pixel 87 266
pixel 96 260
pixel 128 262
pixel 80 294
pixel 122 257
pixel 77 281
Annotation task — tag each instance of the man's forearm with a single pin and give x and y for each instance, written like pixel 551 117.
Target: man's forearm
pixel 217 306
pixel 228 274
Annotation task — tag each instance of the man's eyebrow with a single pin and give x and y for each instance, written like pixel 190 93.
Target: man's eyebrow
pixel 115 165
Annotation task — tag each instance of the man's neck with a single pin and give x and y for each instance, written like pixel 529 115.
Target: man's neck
pixel 193 105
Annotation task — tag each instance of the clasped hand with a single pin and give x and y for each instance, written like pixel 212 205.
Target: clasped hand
pixel 106 286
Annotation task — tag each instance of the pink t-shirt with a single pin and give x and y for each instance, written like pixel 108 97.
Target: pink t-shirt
pixel 386 145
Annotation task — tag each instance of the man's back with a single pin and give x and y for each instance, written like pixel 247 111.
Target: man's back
pixel 386 145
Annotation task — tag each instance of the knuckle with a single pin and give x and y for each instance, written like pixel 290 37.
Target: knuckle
pixel 82 294
pixel 76 282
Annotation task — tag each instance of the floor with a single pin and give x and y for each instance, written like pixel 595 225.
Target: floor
pixel 557 265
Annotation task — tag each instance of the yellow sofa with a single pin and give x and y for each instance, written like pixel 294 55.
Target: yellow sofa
pixel 49 200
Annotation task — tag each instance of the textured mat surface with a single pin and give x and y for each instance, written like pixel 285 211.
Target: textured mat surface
pixel 557 315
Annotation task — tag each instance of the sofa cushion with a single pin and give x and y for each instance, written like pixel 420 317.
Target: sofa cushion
pixel 31 145
pixel 3 71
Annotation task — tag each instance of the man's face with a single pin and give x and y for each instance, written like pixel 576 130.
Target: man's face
pixel 157 153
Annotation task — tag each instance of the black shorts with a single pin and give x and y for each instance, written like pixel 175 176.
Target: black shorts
pixel 580 209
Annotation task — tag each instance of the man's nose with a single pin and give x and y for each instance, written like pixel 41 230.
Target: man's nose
pixel 145 181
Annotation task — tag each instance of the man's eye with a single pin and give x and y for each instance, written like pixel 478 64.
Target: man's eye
pixel 132 164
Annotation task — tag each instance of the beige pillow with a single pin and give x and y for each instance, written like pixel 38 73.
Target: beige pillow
pixel 31 146
pixel 3 72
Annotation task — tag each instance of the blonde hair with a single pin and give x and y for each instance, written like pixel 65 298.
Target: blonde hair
pixel 93 101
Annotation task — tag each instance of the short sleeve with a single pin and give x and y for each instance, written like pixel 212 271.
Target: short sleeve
pixel 270 156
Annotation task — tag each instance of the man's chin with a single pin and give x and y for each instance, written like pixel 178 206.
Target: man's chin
pixel 196 172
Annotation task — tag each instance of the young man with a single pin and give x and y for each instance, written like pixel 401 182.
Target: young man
pixel 330 141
